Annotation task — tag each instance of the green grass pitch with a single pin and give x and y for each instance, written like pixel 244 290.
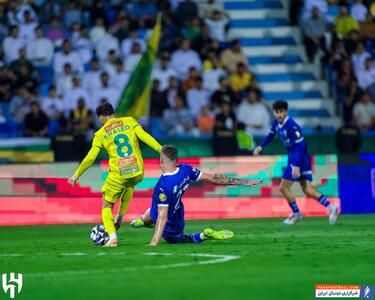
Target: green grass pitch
pixel 265 260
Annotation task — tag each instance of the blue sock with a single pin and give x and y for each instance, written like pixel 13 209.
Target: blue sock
pixel 323 200
pixel 193 238
pixel 293 205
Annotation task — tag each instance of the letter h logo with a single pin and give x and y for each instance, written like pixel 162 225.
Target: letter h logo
pixel 13 284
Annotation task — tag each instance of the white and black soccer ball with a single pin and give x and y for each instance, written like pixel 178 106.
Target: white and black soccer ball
pixel 98 235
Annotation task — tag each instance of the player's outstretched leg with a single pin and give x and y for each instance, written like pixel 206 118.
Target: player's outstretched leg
pixel 137 223
pixel 211 234
pixel 289 196
pixel 333 209
pixel 108 223
pixel 195 238
pixel 144 221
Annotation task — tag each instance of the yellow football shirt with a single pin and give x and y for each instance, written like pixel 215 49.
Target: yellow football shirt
pixel 345 25
pixel 239 83
pixel 119 137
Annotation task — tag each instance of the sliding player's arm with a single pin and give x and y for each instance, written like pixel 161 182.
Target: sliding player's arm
pixel 198 175
pixel 87 161
pixel 146 138
pixel 227 180
pixel 160 224
pixel 267 139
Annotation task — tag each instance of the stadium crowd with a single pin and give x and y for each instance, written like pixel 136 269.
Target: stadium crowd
pixel 60 59
pixel 341 34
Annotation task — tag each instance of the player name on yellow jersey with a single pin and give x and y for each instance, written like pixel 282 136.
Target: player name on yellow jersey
pixel 119 137
pixel 115 128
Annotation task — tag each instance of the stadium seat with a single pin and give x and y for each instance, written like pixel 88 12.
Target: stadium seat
pixel 87 67
pixel 308 113
pixel 252 5
pixel 43 89
pixel 9 128
pixel 285 59
pixel 254 42
pixel 333 11
pixel 53 128
pixel 157 128
pixel 46 74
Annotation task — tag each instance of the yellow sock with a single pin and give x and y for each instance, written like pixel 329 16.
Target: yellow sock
pixel 125 201
pixel 109 225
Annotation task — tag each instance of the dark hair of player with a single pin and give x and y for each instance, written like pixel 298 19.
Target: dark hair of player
pixel 241 126
pixel 105 109
pixel 170 152
pixel 280 105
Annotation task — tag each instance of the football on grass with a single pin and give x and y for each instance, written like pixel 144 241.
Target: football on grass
pixel 98 235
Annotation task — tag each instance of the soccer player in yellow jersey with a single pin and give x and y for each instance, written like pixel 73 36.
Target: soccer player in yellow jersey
pixel 119 137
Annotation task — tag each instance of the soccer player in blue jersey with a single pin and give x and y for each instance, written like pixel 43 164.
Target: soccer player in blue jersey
pixel 167 209
pixel 299 162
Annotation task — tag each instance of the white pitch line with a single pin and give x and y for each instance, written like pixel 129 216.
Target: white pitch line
pixel 73 254
pixel 218 258
pixel 62 254
pixel 110 253
pixel 156 254
pixel 85 253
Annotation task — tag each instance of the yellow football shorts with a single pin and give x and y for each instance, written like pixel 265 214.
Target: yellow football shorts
pixel 115 186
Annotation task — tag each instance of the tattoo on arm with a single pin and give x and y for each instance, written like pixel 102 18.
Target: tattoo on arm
pixel 222 179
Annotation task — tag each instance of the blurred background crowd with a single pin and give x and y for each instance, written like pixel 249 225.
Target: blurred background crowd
pixel 60 59
pixel 341 36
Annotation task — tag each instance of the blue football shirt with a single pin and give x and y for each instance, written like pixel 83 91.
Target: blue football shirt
pixel 290 134
pixel 169 191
